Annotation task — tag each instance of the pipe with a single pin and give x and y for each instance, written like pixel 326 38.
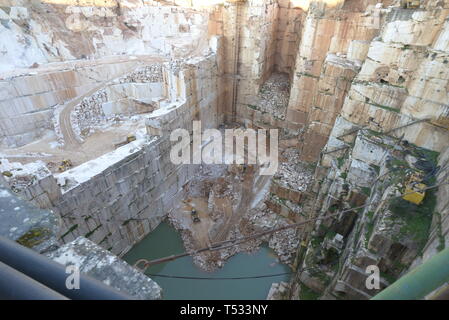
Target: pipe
pixel 420 281
pixel 441 294
pixel 53 275
pixel 17 286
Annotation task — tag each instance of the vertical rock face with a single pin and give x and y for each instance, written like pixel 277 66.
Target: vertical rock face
pixel 397 93
pixel 369 92
pixel 395 73
pixel 359 87
pixel 288 35
pixel 250 33
pixel 333 44
pixel 332 88
pixel 261 37
pixel 403 79
pixel 48 31
pixel 118 198
pixel 376 225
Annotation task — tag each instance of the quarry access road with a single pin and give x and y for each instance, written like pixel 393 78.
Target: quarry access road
pixel 48 150
pixel 71 140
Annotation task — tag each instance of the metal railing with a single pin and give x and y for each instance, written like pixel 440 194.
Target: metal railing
pixel 421 281
pixel 27 275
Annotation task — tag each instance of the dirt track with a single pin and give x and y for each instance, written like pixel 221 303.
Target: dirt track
pixel 71 140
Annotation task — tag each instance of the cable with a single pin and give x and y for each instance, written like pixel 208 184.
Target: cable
pixel 226 278
pixel 221 245
pixel 219 278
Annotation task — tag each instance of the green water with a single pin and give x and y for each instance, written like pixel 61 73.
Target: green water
pixel 165 241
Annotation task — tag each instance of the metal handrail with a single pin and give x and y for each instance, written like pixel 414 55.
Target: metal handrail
pixel 51 275
pixel 421 281
pixel 14 285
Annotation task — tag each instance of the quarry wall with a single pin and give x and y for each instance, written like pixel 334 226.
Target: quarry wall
pixel 118 198
pixel 51 31
pixel 392 107
pixel 118 207
pixel 323 50
pixel 65 34
pixel 394 80
pixel 28 101
pixel 439 230
pixel 366 101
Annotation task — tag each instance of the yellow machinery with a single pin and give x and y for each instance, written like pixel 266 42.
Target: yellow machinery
pixel 410 4
pixel 129 138
pixel 65 164
pixel 414 190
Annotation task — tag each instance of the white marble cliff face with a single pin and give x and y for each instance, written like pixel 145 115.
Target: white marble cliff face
pixel 46 33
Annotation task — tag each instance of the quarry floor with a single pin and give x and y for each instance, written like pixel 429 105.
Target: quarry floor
pixel 234 186
pixel 230 201
pixel 102 141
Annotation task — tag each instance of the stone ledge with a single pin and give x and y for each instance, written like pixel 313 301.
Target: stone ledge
pixel 102 265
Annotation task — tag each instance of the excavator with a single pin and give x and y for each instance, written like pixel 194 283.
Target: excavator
pixel 195 217
pixel 65 165
pixel 414 189
pixel 410 4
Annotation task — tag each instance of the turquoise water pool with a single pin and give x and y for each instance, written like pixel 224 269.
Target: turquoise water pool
pixel 165 241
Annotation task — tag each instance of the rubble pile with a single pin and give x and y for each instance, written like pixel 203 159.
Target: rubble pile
pixel 211 260
pixel 293 174
pixel 274 95
pixel 88 113
pixel 201 185
pixel 20 176
pixel 222 189
pixel 212 182
pixel 278 291
pixel 148 74
pixel 284 243
pixel 294 207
